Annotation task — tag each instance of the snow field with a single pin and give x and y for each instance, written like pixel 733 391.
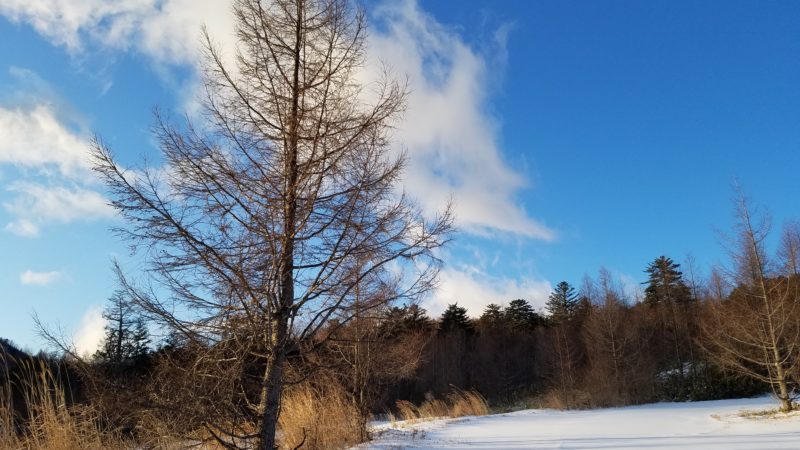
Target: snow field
pixel 713 425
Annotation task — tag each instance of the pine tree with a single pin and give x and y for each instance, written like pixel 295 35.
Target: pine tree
pixel 400 319
pixel 492 317
pixel 563 302
pixel 665 283
pixel 139 339
pixel 668 293
pixel 126 336
pixel 521 317
pixel 455 318
pixel 118 327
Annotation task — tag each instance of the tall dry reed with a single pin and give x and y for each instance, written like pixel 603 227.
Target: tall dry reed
pixel 319 417
pixel 457 404
pixel 43 420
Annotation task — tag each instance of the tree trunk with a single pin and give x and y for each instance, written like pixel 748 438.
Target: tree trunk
pixel 271 391
pixel 780 375
pixel 273 385
pixel 786 401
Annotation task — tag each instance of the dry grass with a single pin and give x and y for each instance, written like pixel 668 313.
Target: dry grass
pixel 318 418
pixel 8 438
pixel 312 418
pixel 457 404
pixel 51 424
pixel 773 413
pixel 565 399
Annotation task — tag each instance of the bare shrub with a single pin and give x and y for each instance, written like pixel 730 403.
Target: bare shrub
pixel 406 410
pixel 433 408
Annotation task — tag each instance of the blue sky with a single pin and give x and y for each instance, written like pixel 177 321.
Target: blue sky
pixel 572 135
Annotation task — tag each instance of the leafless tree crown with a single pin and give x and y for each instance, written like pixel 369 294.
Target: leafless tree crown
pixel 264 220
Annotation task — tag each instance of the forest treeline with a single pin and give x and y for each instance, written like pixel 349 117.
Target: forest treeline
pixel 732 334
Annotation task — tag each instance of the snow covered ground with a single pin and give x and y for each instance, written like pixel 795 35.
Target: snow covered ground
pixel 699 425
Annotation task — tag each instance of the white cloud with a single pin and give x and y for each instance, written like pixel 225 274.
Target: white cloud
pixel 90 332
pixel 36 204
pixel 23 227
pixel 59 203
pixel 451 138
pixel 55 183
pixel 30 277
pixel 67 22
pixel 34 138
pixel 166 30
pixel 474 289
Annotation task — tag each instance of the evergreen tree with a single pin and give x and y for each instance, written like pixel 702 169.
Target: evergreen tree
pixel 126 336
pixel 665 283
pixel 455 318
pixel 563 302
pixel 492 317
pixel 117 329
pixel 139 339
pixel 671 298
pixel 405 318
pixel 520 316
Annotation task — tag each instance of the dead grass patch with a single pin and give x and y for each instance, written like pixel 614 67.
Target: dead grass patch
pixel 50 423
pixel 771 413
pixel 565 399
pixel 318 418
pixel 456 404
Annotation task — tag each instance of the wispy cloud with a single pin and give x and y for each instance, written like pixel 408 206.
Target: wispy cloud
pixel 22 227
pixel 35 139
pixel 165 30
pixel 53 182
pixel 34 204
pixel 30 277
pixel 451 138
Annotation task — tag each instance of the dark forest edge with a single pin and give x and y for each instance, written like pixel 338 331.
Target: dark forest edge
pixel 590 347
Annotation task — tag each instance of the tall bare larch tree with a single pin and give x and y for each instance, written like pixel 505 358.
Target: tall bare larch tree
pixel 268 216
pixel 756 330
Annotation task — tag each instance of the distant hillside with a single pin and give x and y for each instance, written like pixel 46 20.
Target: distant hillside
pixel 9 351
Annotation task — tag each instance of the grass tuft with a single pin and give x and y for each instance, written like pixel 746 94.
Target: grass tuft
pixel 318 418
pixel 457 404
pixel 43 420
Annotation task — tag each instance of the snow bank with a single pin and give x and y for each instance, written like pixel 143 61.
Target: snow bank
pixel 698 425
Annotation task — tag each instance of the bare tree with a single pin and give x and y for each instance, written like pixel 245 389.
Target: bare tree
pixel 566 354
pixel 755 331
pixel 266 219
pixel 369 354
pixel 619 367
